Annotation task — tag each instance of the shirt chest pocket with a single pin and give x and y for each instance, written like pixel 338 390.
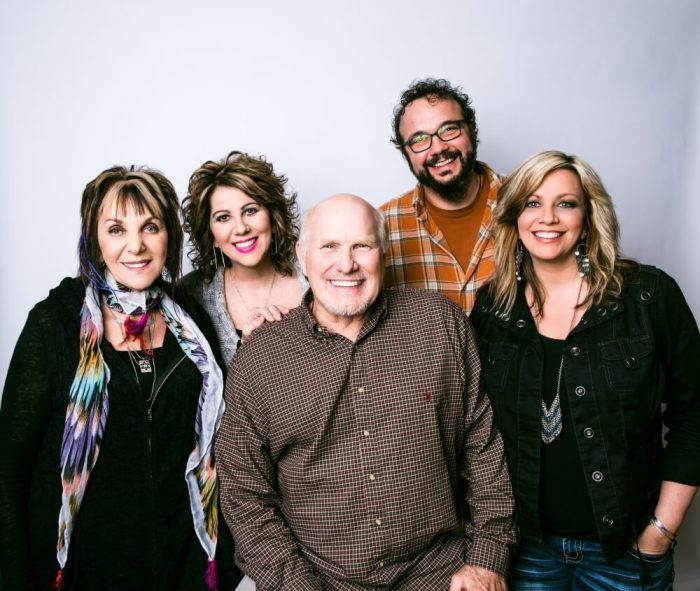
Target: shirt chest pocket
pixel 496 364
pixel 627 362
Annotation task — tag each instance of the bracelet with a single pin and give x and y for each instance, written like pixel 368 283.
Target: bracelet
pixel 663 529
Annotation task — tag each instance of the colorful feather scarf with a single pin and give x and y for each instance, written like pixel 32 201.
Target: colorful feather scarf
pixel 88 409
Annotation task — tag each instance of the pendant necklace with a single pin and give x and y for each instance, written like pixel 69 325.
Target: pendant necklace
pixel 240 295
pixel 550 418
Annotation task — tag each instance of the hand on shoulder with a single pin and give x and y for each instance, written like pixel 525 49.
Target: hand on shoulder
pixel 259 315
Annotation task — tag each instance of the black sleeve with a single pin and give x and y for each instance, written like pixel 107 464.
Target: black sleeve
pixel 679 349
pixel 24 417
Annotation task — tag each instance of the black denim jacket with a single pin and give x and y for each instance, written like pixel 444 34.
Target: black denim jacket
pixel 630 366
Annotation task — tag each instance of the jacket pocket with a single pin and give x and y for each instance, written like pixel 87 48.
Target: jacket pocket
pixel 627 361
pixel 495 365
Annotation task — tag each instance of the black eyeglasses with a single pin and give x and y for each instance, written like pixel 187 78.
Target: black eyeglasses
pixel 421 141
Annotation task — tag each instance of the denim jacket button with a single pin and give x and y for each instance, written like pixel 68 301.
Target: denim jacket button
pixel 580 391
pixel 597 476
pixel 575 351
pixel 520 323
pixel 588 434
pixel 631 361
pixel 505 317
pixel 602 311
pixel 614 306
pixel 608 520
pixel 645 296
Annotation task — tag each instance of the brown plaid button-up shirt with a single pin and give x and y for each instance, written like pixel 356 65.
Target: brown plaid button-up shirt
pixel 418 254
pixel 369 464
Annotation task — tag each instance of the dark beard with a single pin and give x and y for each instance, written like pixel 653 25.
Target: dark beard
pixel 454 190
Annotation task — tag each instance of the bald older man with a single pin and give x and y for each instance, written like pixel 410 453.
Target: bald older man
pixel 357 451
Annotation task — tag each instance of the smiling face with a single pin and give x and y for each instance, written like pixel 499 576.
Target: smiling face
pixel 446 166
pixel 240 226
pixel 133 245
pixel 552 222
pixel 342 259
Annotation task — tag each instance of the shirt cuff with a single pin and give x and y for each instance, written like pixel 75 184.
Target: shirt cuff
pixel 489 554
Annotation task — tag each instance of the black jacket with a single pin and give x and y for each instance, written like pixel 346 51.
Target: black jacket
pixel 134 529
pixel 622 362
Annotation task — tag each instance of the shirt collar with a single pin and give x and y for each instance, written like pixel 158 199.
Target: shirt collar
pixel 377 312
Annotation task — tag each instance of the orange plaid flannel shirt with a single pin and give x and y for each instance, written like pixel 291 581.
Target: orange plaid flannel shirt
pixel 418 255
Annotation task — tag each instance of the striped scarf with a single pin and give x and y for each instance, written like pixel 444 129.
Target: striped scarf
pixel 88 409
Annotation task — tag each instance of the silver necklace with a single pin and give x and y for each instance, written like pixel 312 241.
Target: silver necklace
pixel 151 367
pixel 550 418
pixel 240 295
pixel 145 362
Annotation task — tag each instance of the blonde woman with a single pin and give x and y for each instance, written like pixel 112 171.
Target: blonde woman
pixel 580 349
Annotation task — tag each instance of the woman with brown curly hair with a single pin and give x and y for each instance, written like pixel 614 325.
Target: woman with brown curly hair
pixel 243 230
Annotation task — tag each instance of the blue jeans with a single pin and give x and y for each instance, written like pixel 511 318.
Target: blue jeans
pixel 564 564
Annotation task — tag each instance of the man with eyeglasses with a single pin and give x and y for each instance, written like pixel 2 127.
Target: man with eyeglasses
pixel 439 232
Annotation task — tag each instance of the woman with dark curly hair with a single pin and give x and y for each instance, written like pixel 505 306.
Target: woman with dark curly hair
pixel 586 357
pixel 109 410
pixel 243 230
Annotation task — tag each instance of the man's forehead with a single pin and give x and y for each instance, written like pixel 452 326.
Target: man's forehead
pixel 431 107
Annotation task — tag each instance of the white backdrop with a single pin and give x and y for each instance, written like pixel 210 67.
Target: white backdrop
pixel 87 84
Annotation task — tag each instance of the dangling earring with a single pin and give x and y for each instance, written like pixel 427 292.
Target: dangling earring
pixel 582 261
pixel 216 258
pixel 519 261
pixel 166 275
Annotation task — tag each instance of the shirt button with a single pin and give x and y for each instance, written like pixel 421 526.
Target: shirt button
pixel 520 323
pixel 361 389
pixel 608 520
pixel 588 433
pixel 381 564
pixel 378 521
pixel 372 477
pixel 575 351
pixel 597 476
pixel 580 391
pixel 365 433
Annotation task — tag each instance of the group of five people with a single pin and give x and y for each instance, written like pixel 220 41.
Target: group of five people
pixel 354 429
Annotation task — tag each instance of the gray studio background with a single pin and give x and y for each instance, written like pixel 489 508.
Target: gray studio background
pixel 87 84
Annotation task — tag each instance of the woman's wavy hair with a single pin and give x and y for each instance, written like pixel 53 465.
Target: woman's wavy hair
pixel 257 179
pixel 144 189
pixel 601 230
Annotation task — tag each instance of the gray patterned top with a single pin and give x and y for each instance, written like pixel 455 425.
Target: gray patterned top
pixel 211 297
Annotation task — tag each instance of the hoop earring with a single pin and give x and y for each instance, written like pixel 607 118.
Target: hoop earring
pixel 519 261
pixel 582 261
